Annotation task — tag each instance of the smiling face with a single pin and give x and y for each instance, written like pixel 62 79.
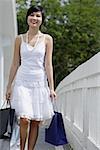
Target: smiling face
pixel 35 19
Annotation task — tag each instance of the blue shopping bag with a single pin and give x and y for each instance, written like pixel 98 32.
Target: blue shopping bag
pixel 55 134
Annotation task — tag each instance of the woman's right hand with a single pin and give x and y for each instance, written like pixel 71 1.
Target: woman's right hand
pixel 8 93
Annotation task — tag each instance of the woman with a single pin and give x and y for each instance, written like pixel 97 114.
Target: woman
pixel 33 72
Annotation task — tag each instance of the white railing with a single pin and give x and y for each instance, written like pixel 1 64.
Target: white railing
pixel 79 102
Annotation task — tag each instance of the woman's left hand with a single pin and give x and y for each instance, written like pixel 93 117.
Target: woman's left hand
pixel 53 94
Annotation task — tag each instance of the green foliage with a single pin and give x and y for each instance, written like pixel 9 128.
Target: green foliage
pixel 21 6
pixel 75 27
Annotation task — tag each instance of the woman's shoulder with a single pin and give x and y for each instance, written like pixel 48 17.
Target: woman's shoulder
pixel 20 37
pixel 48 37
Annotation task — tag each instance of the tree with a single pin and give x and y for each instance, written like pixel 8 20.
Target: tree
pixel 75 27
pixel 21 7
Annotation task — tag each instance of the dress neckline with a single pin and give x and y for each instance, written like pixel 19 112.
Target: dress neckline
pixel 30 47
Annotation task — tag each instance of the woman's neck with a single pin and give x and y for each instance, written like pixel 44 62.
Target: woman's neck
pixel 33 32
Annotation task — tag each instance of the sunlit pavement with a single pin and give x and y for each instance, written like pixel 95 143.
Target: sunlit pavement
pixel 14 144
pixel 41 144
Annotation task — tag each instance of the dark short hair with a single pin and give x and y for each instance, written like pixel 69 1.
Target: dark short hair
pixel 36 9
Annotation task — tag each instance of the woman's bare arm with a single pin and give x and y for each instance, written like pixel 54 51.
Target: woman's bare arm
pixel 48 61
pixel 16 61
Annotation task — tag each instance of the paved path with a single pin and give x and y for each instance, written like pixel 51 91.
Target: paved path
pixel 4 145
pixel 41 144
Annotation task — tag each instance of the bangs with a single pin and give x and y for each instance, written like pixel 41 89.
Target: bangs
pixel 34 9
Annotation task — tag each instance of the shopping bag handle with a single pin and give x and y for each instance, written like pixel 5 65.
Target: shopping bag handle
pixel 54 103
pixel 7 102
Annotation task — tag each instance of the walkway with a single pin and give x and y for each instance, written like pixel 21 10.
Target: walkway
pixel 41 144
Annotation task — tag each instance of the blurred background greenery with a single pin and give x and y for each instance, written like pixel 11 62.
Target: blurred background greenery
pixel 74 26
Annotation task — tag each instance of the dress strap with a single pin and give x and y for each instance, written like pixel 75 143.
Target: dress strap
pixel 27 37
pixel 21 37
pixel 44 37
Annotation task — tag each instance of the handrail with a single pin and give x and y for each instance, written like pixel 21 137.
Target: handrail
pixel 79 101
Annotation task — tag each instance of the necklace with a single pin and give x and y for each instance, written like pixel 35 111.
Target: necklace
pixel 29 45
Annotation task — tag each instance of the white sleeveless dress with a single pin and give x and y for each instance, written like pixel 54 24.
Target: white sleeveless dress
pixel 31 95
